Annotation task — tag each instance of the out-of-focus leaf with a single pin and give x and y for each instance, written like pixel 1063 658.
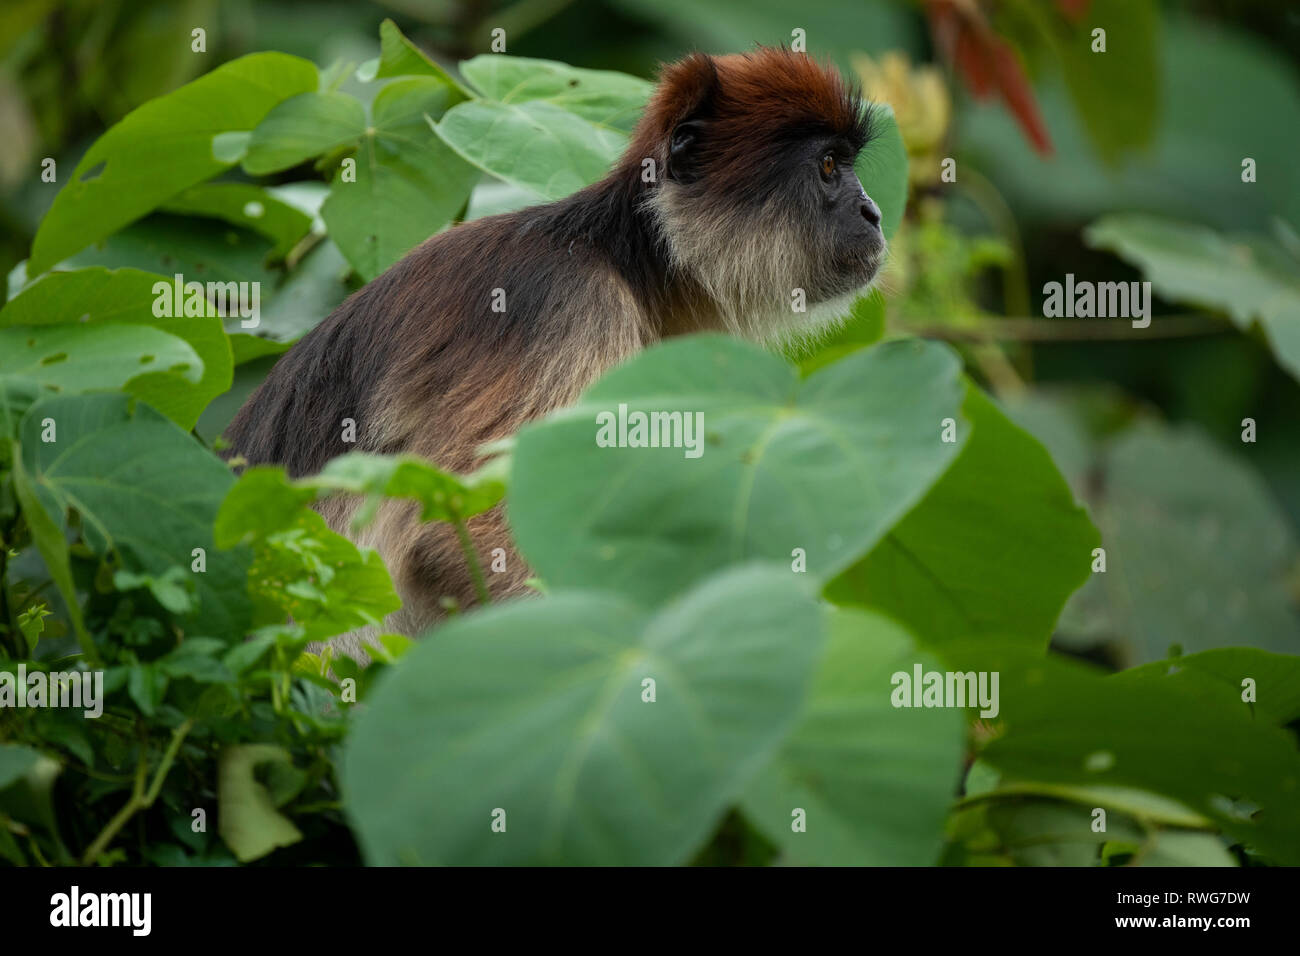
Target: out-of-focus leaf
pixel 541 712
pixel 1251 278
pixel 247 818
pixel 249 207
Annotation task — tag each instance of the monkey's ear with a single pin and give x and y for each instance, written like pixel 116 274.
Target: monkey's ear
pixel 683 157
pixel 687 89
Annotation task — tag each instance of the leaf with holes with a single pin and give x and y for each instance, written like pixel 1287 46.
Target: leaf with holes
pixel 120 296
pixel 92 357
pixel 1063 723
pixel 161 148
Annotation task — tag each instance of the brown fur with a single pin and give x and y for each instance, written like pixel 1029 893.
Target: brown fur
pixel 422 364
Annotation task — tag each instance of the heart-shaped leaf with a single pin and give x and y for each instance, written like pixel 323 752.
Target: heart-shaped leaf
pixel 579 728
pixel 776 469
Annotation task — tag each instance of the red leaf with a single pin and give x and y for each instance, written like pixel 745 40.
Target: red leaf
pixel 1019 96
pixel 988 63
pixel 1074 10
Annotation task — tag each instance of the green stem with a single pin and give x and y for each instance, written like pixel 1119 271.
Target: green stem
pixel 141 799
pixel 1028 329
pixel 471 559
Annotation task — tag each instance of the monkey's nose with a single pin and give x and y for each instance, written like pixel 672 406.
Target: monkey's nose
pixel 870 211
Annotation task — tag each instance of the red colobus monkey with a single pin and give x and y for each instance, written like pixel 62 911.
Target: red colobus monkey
pixel 737 189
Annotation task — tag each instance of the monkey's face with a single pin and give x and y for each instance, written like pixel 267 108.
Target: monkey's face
pixel 845 244
pixel 760 203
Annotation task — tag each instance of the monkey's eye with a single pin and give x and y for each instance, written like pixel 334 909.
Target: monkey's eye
pixel 828 165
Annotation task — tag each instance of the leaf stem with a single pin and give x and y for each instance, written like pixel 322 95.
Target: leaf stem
pixel 471 559
pixel 1025 329
pixel 141 799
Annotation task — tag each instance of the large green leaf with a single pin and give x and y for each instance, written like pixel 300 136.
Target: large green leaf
pixel 1250 278
pixel 826 465
pixel 539 709
pixel 1197 550
pixel 875 781
pixel 995 548
pixel 534 145
pixel 89 358
pixel 163 147
pixel 1116 93
pixel 97 295
pixel 1275 678
pixel 144 489
pixel 828 27
pixel 1197 547
pixel 604 97
pixel 1062 723
pixel 408 183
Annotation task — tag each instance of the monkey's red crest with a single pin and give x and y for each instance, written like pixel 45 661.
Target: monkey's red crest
pixel 754 193
pixel 762 99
